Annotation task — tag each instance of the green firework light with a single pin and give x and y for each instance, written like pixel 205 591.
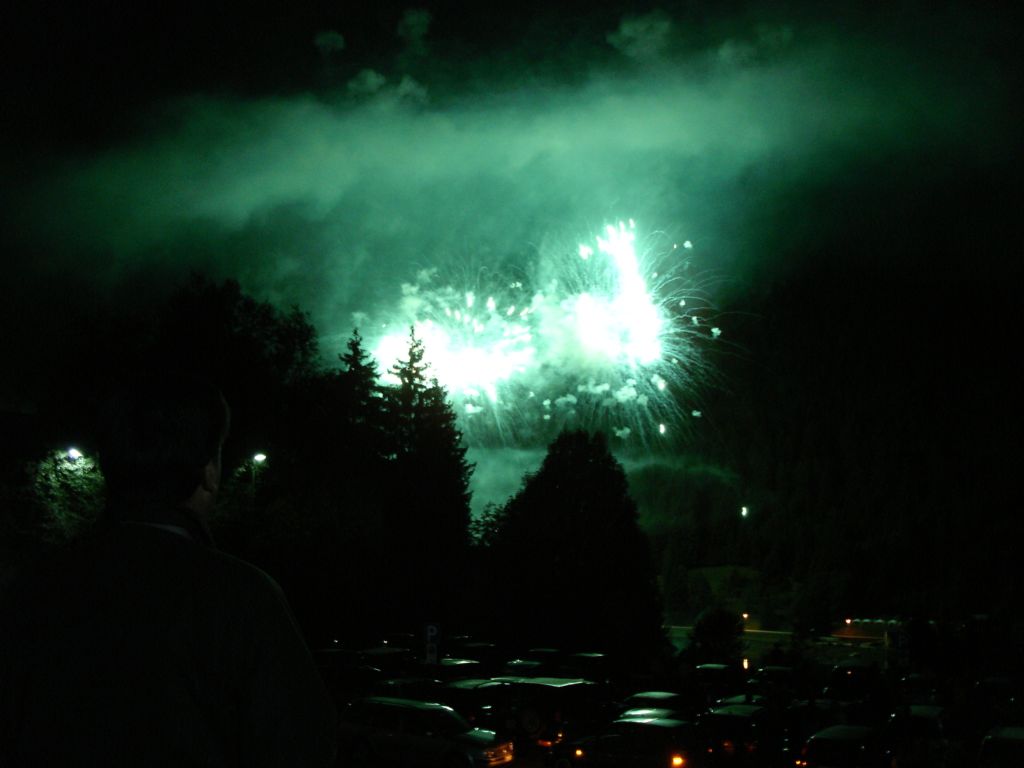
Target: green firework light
pixel 604 337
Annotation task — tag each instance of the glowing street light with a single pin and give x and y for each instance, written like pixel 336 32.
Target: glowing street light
pixel 744 511
pixel 74 454
pixel 257 459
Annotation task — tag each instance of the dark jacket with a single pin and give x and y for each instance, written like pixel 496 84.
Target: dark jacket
pixel 147 646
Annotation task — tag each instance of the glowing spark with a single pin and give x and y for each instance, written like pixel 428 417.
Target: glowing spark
pixel 584 339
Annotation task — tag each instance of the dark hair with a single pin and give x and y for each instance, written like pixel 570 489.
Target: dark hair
pixel 156 435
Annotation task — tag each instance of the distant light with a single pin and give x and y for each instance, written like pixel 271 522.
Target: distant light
pixel 74 454
pixel 849 622
pixel 746 616
pixel 677 760
pixel 746 663
pixel 579 753
pixel 687 245
pixel 744 511
pixel 259 458
pixel 661 429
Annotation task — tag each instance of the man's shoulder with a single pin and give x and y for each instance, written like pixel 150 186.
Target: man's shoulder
pixel 242 571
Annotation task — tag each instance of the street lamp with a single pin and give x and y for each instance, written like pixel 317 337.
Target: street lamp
pixel 74 454
pixel 257 459
pixel 744 511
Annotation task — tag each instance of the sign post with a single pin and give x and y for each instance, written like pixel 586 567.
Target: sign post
pixel 432 642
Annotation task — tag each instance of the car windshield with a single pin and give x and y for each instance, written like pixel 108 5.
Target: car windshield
pixel 442 722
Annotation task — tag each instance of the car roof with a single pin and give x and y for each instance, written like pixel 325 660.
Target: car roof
pixel 549 682
pixel 647 713
pixel 654 722
pixel 473 683
pixel 738 710
pixel 394 701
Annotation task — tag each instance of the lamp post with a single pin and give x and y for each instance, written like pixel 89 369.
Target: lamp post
pixel 257 459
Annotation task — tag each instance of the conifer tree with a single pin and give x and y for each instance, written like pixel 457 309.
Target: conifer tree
pixel 576 569
pixel 363 397
pixel 430 487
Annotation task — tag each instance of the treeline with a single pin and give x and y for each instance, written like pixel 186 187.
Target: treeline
pixel 352 492
pixel 875 450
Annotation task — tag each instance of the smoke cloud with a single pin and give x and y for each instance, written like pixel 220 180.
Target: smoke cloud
pixel 738 137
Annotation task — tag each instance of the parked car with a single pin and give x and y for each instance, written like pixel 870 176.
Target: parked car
pixel 917 736
pixel 633 743
pixel 383 731
pixel 682 706
pixel 740 735
pixel 485 703
pixel 587 665
pixel 543 711
pixel 802 719
pixel 1002 748
pixel 346 673
pixel 845 746
pixel 777 683
pixel 419 688
pixel 718 681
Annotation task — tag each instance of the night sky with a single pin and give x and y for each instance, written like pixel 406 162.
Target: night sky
pixel 848 179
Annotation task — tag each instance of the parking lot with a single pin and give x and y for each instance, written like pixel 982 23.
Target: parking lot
pixel 561 708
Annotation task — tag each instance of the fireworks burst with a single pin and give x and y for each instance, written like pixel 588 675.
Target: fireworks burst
pixel 602 337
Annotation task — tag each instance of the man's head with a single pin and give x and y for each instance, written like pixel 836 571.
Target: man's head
pixel 160 442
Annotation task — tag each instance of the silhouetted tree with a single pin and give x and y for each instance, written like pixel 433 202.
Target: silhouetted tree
pixel 251 349
pixel 361 383
pixel 429 488
pixel 716 638
pixel 573 566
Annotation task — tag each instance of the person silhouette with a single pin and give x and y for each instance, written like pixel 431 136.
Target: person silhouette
pixel 142 643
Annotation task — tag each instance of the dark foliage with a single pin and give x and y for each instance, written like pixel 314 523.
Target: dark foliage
pixel 716 638
pixel 428 490
pixel 573 567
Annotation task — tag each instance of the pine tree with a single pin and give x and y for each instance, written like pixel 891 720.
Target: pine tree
pixel 576 569
pixel 363 397
pixel 430 482
pixel 407 400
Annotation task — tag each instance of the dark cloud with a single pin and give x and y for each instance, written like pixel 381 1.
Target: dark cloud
pixel 329 42
pixel 413 28
pixel 694 144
